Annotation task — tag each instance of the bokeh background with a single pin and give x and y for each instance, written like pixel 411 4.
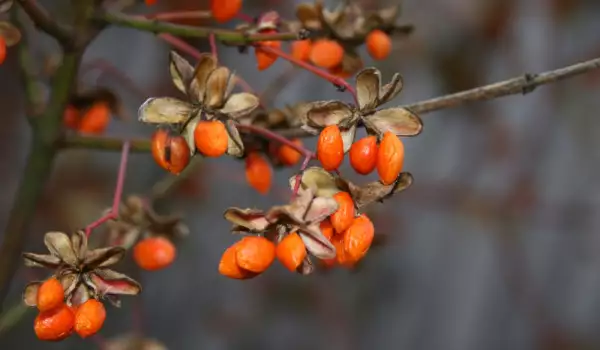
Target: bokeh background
pixel 496 246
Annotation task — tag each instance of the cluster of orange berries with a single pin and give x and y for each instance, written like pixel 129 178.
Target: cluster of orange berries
pixel 351 235
pixel 329 53
pixel 93 120
pixel 57 320
pixel 154 253
pixel 365 154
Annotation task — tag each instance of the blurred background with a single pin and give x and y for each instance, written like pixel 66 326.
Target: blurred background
pixel 496 245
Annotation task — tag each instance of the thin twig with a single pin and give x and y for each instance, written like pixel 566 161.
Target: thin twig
pixel 173 16
pixel 43 21
pixel 230 36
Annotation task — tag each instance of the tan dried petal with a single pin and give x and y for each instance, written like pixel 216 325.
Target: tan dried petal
pixel 181 71
pixel 79 242
pixel 319 179
pixel 235 145
pixel 240 104
pixel 10 33
pixel 390 90
pixel 308 15
pixel 188 134
pixel 316 243
pixel 368 85
pixel 325 113
pixel 252 219
pixel 69 282
pixel 206 64
pixel 5 5
pixel 217 86
pixel 399 121
pixel 348 137
pixel 79 296
pixel 388 15
pixel 41 260
pixel 306 268
pixel 164 110
pixel 114 283
pixel 30 293
pixel 103 257
pixel 59 245
pixel 320 208
pixel 377 192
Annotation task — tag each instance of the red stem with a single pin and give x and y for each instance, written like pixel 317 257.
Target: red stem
pixel 114 212
pixel 277 138
pixel 213 46
pixel 299 176
pixel 313 69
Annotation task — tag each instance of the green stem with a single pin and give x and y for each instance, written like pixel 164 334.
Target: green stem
pixel 229 36
pixel 101 143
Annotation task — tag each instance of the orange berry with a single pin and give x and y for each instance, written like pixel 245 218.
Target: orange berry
pixel 50 295
pixel 330 148
pixel 265 59
pixel 339 72
pixel 150 2
pixel 379 44
pixel 301 50
pixel 289 156
pixel 96 119
pixel 390 158
pixel 89 318
pixel 2 49
pixel 71 117
pixel 344 216
pixel 228 265
pixel 54 325
pixel 291 251
pixel 255 253
pixel 358 238
pixel 327 229
pixel 225 10
pixel 211 138
pixel 341 257
pixel 170 152
pixel 154 253
pixel 258 173
pixel 326 53
pixel 363 155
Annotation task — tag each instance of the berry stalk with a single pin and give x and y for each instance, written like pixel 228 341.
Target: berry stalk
pixel 277 138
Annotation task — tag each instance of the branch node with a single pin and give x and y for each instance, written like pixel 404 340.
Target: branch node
pixel 529 84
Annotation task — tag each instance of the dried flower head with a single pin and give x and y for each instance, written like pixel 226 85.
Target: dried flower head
pixel 209 97
pixel 10 33
pixel 5 5
pixel 371 95
pixel 83 272
pixel 327 185
pixel 302 215
pixel 136 217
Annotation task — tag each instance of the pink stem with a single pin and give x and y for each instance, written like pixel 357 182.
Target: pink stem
pixel 114 212
pixel 277 138
pixel 299 176
pixel 213 46
pixel 316 71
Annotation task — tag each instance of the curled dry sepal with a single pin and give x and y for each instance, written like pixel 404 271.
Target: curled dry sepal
pixel 83 272
pixel 208 88
pixel 370 95
pixel 302 215
pixel 327 185
pixel 136 217
pixel 5 5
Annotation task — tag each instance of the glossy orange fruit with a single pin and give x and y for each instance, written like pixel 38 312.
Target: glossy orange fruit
pixel 211 138
pixel 379 44
pixel 390 158
pixel 344 216
pixel 259 173
pixel 71 117
pixel 89 318
pixel 225 10
pixel 301 50
pixel 327 229
pixel 289 156
pixel 358 238
pixel 291 251
pixel 170 152
pixel 341 257
pixel 326 53
pixel 50 295
pixel 265 59
pixel 330 148
pixel 228 265
pixel 154 253
pixel 95 119
pixel 363 155
pixel 255 253
pixel 54 325
pixel 2 49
